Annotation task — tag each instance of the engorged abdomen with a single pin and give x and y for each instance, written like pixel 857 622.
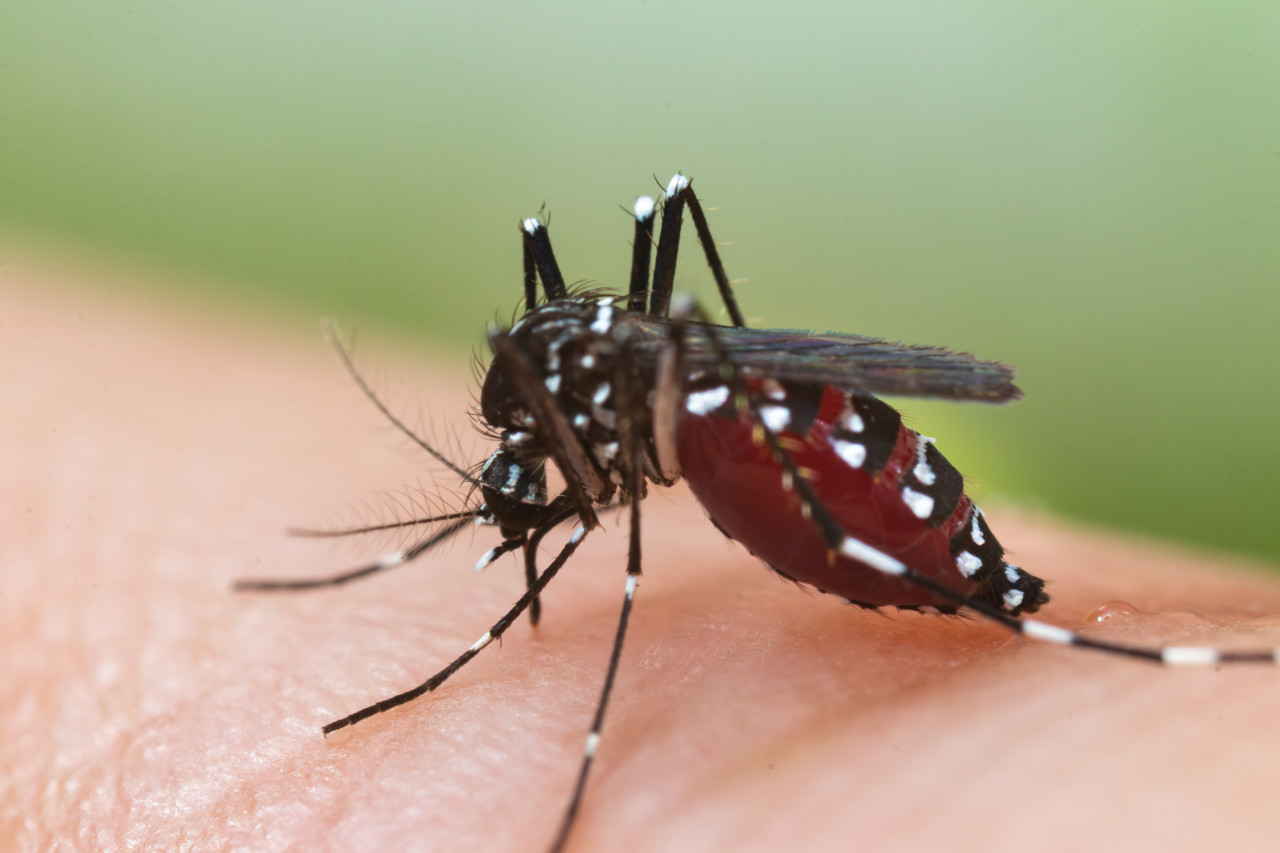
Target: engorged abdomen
pixel 863 476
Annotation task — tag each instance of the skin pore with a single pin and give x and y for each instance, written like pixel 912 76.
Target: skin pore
pixel 153 455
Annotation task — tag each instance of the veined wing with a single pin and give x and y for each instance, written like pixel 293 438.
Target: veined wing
pixel 834 358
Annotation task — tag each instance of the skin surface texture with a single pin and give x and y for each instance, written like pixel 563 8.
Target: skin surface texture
pixel 153 455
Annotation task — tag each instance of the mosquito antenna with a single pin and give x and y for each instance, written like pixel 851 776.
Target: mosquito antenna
pixel 332 334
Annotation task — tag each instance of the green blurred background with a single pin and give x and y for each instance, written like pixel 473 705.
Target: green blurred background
pixel 1089 191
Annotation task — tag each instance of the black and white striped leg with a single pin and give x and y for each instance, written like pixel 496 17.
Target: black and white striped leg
pixel 631 437
pixel 506 546
pixel 593 738
pixel 840 542
pixel 538 255
pixel 678 196
pixel 390 561
pixel 641 249
pixel 492 634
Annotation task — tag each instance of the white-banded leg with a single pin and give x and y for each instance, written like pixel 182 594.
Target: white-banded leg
pixel 641 250
pixel 678 196
pixel 840 542
pixel 489 636
pixel 539 257
pixel 629 401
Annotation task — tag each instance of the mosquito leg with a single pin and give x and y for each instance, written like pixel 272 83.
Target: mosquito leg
pixel 840 542
pixel 641 249
pixel 492 634
pixel 530 271
pixel 631 437
pixel 538 246
pixel 679 194
pixel 593 739
pixel 397 558
pixel 506 546
pixel 558 511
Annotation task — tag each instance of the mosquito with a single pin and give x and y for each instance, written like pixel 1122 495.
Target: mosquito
pixel 778 433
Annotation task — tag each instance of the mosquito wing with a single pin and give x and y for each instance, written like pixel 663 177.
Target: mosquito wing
pixel 833 358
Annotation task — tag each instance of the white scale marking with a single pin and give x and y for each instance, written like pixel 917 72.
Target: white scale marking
pixel 513 477
pixel 706 402
pixel 787 482
pixel 920 504
pixel 588 361
pixel 851 452
pixel 851 420
pixel 519 437
pixel 593 742
pixel 482 642
pixel 776 418
pixel 605 453
pixel 604 317
pixel 577 535
pixel 1046 632
pixel 553 383
pixel 644 208
pixel 395 558
pixel 1190 655
pixel 580 421
pixel 1012 599
pixel 968 563
pixel 603 390
pixel 923 473
pixel 773 390
pixel 553 354
pixel 484 561
pixel 1011 573
pixel 530 226
pixel 975 532
pixel 876 559
pixel 678 182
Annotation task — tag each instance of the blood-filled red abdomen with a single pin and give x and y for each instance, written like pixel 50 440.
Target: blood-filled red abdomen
pixel 878 478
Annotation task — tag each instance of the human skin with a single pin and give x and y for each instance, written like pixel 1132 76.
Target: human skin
pixel 151 456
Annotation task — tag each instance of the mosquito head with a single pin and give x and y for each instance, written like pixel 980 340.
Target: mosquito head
pixel 515 491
